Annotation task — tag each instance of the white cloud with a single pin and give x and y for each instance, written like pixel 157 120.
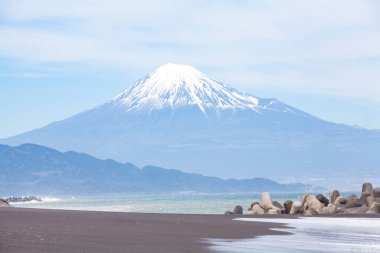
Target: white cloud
pixel 330 47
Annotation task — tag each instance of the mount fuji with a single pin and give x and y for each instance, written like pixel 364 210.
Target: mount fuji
pixel 177 117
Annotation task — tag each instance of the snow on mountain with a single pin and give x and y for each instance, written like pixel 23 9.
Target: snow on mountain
pixel 175 85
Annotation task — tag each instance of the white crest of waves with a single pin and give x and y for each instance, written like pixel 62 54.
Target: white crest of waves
pixel 312 234
pixel 50 199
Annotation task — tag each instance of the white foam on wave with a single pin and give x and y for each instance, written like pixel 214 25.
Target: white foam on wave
pixel 25 203
pixel 51 199
pixel 313 234
pixel 37 202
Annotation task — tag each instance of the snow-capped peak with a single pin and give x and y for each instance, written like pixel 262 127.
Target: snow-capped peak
pixel 174 85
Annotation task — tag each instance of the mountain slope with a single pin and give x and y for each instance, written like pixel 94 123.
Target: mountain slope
pixel 175 87
pixel 34 169
pixel 177 117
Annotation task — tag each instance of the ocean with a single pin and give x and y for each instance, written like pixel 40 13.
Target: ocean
pixel 189 203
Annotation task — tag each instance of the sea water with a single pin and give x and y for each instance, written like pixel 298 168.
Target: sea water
pixel 312 235
pixel 190 203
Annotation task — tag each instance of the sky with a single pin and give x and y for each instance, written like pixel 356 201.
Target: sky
pixel 58 58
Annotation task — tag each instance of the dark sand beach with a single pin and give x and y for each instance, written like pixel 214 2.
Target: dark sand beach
pixel 37 230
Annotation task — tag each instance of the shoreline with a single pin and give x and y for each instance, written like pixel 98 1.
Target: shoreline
pixel 47 230
pixel 312 233
pixel 52 230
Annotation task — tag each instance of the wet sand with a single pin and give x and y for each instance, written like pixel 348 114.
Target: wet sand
pixel 41 230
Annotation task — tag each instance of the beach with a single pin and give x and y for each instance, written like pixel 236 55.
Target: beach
pixel 42 230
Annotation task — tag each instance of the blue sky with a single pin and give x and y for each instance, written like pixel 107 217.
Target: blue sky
pixel 58 58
